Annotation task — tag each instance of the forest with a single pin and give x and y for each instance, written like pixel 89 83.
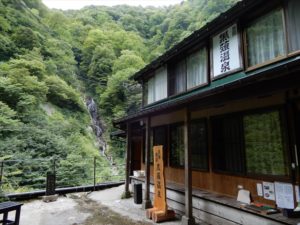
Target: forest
pixel 53 62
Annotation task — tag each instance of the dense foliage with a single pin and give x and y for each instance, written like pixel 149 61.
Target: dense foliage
pixel 51 60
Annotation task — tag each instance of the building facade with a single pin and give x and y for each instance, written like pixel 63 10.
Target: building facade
pixel 225 105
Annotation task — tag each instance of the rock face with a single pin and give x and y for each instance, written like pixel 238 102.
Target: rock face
pixel 97 125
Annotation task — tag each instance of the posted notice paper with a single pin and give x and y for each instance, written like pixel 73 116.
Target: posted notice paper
pixel 268 189
pixel 284 195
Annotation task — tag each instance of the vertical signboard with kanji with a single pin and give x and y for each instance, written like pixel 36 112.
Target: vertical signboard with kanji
pixel 226 52
pixel 159 179
pixel 160 211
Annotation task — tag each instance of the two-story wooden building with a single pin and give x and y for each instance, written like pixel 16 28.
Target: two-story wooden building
pixel 225 105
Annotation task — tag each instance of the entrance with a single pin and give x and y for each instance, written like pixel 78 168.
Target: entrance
pixel 136 147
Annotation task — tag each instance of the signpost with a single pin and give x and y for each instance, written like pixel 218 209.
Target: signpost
pixel 50 185
pixel 160 210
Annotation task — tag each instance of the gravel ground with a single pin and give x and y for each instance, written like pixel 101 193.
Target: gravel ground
pixel 96 208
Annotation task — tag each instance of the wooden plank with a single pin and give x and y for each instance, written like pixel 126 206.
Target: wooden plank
pixel 219 206
pixel 187 166
pixel 128 161
pixel 215 213
pixel 147 202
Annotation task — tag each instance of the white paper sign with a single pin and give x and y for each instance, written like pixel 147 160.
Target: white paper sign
pixel 226 54
pixel 284 195
pixel 259 189
pixel 244 196
pixel 269 190
pixel 297 193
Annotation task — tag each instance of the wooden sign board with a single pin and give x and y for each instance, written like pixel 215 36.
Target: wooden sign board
pixel 160 210
pixel 159 179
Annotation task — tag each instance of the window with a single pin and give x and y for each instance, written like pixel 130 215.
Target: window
pixel 197 69
pixel 293 25
pixel 198 139
pixel 176 145
pixel 150 91
pixel 266 38
pixel 156 88
pixel 161 80
pixel 250 144
pixel 159 137
pixel 264 144
pixel 177 78
pixel 227 144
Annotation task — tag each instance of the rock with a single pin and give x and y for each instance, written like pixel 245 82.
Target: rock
pixel 50 198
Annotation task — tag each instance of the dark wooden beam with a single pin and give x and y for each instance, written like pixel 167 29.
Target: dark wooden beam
pixel 188 218
pixel 147 202
pixel 128 161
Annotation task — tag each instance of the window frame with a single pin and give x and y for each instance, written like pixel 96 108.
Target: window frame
pixel 287 33
pixel 286 144
pixel 145 83
pixel 284 134
pixel 205 122
pixel 247 25
pixel 164 67
pixel 171 77
pixel 207 66
pixel 214 152
pixel 241 53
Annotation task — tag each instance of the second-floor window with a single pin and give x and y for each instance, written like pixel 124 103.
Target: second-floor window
pixel 293 25
pixel 177 78
pixel 266 39
pixel 188 73
pixel 197 68
pixel 156 87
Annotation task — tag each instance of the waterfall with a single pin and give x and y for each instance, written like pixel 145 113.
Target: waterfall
pixel 97 125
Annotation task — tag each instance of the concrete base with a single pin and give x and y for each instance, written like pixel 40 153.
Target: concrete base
pixel 126 194
pixel 146 204
pixel 187 220
pixel 50 198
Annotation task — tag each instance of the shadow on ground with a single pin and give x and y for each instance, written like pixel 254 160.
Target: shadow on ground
pixel 102 215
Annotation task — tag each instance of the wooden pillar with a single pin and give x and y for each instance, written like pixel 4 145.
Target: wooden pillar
pixel 188 218
pixel 147 202
pixel 128 161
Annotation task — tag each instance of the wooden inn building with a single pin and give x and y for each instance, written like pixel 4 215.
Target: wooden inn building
pixel 225 105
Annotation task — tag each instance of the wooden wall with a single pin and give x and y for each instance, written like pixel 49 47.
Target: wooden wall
pixel 211 181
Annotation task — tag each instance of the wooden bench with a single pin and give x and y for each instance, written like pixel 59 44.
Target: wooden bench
pixel 5 208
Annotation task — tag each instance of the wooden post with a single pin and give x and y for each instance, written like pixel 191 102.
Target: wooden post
pixel 188 218
pixel 94 173
pixel 128 161
pixel 1 172
pixel 147 202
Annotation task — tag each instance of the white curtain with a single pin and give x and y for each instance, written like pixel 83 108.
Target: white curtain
pixel 266 38
pixel 293 25
pixel 197 69
pixel 161 81
pixel 180 77
pixel 151 93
